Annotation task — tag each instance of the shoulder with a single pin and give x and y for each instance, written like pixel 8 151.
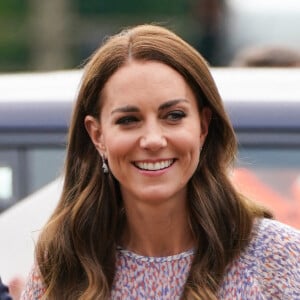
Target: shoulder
pixel 34 287
pixel 272 258
pixel 270 237
pixel 269 267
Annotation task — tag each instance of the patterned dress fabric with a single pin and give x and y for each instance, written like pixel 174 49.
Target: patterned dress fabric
pixel 268 269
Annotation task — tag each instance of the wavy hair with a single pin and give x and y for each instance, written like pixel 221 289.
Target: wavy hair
pixel 77 248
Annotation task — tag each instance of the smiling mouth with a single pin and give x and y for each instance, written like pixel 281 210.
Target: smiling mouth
pixel 154 166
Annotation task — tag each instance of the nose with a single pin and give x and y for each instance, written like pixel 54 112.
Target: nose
pixel 153 138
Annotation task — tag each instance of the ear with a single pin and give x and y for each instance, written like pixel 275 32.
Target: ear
pixel 93 128
pixel 205 117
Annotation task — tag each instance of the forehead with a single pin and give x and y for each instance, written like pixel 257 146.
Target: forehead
pixel 149 80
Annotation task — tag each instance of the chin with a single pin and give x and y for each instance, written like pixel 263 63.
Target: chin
pixel 157 196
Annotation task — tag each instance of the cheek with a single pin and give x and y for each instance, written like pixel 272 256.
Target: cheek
pixel 188 147
pixel 117 147
pixel 188 139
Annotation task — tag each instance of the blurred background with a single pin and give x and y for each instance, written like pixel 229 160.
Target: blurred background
pixel 40 37
pixel 61 34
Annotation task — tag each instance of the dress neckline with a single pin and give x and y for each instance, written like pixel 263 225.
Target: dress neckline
pixel 135 256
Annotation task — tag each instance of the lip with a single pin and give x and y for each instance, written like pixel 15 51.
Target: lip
pixel 154 165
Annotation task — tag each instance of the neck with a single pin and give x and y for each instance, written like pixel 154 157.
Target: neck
pixel 157 231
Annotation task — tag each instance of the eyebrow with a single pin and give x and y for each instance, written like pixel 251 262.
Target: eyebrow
pixel 171 103
pixel 132 108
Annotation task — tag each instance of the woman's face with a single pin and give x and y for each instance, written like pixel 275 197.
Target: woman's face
pixel 150 130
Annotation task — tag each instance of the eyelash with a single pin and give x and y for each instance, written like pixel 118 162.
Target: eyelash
pixel 127 120
pixel 172 116
pixel 176 115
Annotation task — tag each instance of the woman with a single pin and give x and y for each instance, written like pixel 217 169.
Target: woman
pixel 147 209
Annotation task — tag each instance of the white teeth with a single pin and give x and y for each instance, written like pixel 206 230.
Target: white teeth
pixel 154 166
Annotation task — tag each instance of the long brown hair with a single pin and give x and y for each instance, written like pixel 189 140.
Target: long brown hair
pixel 77 248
